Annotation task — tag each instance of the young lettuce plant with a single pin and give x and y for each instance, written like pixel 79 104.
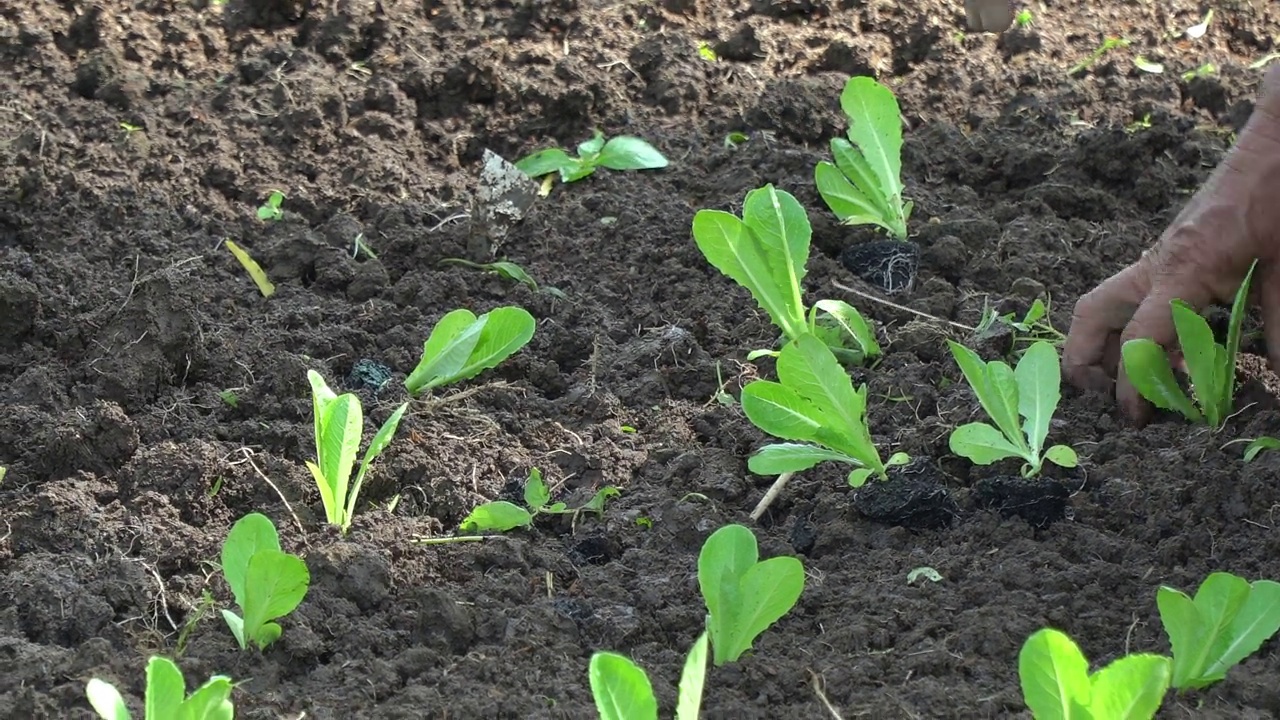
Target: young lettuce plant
pixel 619 153
pixel 1031 391
pixel 744 597
pixel 501 516
pixel 462 345
pixel 814 403
pixel 339 426
pixel 622 690
pixel 765 251
pixel 1212 367
pixel 1226 622
pixel 864 186
pixel 267 583
pixel 1057 685
pixel 166 696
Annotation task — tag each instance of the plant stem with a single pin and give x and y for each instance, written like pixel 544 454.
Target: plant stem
pixel 772 494
pixel 451 540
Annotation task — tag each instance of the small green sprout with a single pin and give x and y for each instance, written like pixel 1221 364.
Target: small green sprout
pixel 501 516
pixel 1226 622
pixel 166 696
pixel 1142 123
pixel 1197 31
pixel 129 129
pixel 3 471
pixel 644 522
pixel 706 52
pixel 508 271
pixel 765 251
pixel 361 245
pixel 622 690
pixel 1024 18
pixel 813 402
pixel 1212 367
pixel 230 398
pixel 925 572
pixel 1031 391
pixel 864 186
pixel 1109 44
pixel 744 597
pixel 1035 325
pixel 462 345
pixel 270 210
pixel 267 582
pixel 734 139
pixel 339 427
pixel 1057 685
pixel 1204 71
pixel 1256 446
pixel 1148 66
pixel 622 152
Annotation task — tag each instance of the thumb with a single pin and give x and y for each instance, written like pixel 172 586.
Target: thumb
pixel 1154 320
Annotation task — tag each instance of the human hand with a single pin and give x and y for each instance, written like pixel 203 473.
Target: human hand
pixel 989 15
pixel 1201 259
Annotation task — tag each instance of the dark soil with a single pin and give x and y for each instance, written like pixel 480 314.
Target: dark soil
pixel 123 318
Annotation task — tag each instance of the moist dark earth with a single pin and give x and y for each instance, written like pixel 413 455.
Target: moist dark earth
pixel 124 320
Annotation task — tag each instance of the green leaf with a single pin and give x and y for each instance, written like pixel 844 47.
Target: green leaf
pixel 380 441
pixel 1256 621
pixel 630 153
pixel 593 146
pixel 462 346
pixel 780 411
pixel 1258 445
pixel 780 458
pixel 1039 379
pixel 854 166
pixel 250 534
pixel 1062 456
pixel 981 444
pixel 875 128
pixel 996 387
pixel 339 423
pixel 597 501
pixel 781 225
pixel 236 623
pixel 1131 688
pixel 808 366
pixel 1199 629
pixel 743 597
pixel 621 689
pixel 850 205
pixel 1148 369
pixel 536 492
pixel 1054 676
pixel 735 251
pixel 853 324
pixel 211 701
pixel 578 170
pixel 106 700
pixel 692 679
pixel 496 516
pixel 166 688
pixel 1239 308
pixel 545 162
pixel 275 584
pixel 859 477
pixel 1201 355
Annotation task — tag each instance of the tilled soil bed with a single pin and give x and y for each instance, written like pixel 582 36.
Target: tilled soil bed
pixel 138 135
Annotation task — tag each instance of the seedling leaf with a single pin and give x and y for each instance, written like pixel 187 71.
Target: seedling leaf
pixel 1250 452
pixel 1054 676
pixel 462 346
pixel 743 597
pixel 544 162
pixel 780 458
pixel 106 700
pixel 536 492
pixel 981 444
pixel 1227 621
pixel 275 584
pixel 1148 368
pixel 621 689
pixel 692 679
pixel 630 153
pixel 166 688
pixel 1130 688
pixel 496 516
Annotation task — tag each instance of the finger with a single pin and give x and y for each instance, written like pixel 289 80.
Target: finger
pixel 1268 291
pixel 1089 355
pixel 1154 320
pixel 994 16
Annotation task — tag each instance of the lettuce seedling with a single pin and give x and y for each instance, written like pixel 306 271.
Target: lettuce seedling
pixel 1212 367
pixel 501 516
pixel 622 690
pixel 744 597
pixel 813 402
pixel 864 186
pixel 1056 684
pixel 339 427
pixel 270 210
pixel 619 153
pixel 267 582
pixel 765 251
pixel 1226 622
pixel 462 345
pixel 1031 391
pixel 166 696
